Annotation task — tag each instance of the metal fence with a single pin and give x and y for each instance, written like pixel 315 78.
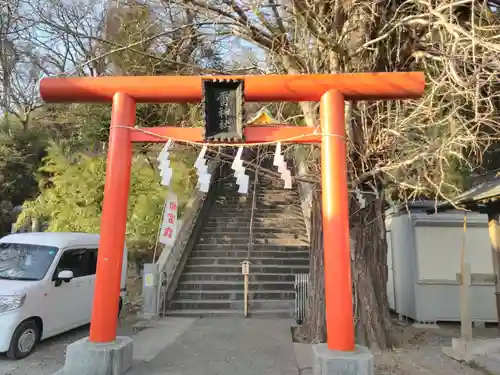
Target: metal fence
pixel 301 292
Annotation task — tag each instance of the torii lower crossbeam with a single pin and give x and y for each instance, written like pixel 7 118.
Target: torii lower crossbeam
pixel 331 90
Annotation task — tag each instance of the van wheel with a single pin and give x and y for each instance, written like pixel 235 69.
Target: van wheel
pixel 24 340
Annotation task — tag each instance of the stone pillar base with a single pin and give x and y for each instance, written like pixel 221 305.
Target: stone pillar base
pixel 331 362
pixel 87 358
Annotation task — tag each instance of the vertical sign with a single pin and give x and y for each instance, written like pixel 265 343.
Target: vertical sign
pixel 168 230
pixel 223 103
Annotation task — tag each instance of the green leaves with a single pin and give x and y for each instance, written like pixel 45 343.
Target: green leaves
pixel 20 153
pixel 73 191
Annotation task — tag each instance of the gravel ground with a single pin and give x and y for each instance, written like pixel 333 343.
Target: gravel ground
pixel 49 355
pixel 420 352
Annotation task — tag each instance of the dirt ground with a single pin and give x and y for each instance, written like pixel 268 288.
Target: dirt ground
pixel 420 352
pixel 134 290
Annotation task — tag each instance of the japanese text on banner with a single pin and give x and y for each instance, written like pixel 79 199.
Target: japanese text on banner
pixel 169 223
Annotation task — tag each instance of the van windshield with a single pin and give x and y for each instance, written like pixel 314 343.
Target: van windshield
pixel 25 261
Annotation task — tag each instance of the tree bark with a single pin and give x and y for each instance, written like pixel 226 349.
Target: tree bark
pixel 314 329
pixel 369 275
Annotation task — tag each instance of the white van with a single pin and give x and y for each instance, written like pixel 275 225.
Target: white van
pixel 46 286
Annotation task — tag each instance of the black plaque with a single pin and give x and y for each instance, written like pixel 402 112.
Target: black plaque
pixel 224 113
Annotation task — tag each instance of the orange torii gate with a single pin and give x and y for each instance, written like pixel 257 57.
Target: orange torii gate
pixel 330 89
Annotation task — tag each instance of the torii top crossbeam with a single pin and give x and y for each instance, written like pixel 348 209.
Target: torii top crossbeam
pixel 264 88
pixel 330 89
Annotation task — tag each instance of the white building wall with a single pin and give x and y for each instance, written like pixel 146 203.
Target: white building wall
pixel 426 261
pixel 403 253
pixel 439 250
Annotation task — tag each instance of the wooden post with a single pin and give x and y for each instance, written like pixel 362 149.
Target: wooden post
pixel 494 232
pixel 246 295
pixel 465 307
pixel 245 270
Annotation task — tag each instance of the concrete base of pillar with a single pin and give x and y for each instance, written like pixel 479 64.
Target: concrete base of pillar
pixel 330 362
pixel 467 351
pixel 87 358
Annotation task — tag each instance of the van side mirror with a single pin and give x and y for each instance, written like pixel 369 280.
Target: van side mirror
pixel 65 275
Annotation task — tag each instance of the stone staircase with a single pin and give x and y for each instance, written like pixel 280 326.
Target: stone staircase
pixel 212 283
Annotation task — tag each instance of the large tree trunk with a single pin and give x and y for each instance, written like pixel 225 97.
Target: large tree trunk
pixel 369 275
pixel 314 328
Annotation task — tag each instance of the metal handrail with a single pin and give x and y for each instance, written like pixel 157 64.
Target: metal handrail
pixel 246 263
pixel 250 231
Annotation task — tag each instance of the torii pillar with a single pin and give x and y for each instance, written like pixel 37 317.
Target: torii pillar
pixel 340 355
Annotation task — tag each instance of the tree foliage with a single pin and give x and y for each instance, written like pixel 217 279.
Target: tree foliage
pixel 72 192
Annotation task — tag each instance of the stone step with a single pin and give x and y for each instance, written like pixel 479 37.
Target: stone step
pixel 261 195
pixel 230 305
pixel 242 254
pixel 239 237
pixel 277 191
pixel 281 221
pixel 232 295
pixel 259 214
pixel 198 313
pixel 267 226
pixel 232 189
pixel 194 261
pixel 259 198
pixel 257 237
pixel 289 240
pixel 260 203
pixel 255 247
pixel 236 276
pixel 256 233
pixel 235 268
pixel 269 205
pixel 280 217
pixel 236 285
pixel 267 229
pixel 285 199
pixel 229 187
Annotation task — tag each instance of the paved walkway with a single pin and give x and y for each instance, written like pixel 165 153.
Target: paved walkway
pixel 184 346
pixel 216 346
